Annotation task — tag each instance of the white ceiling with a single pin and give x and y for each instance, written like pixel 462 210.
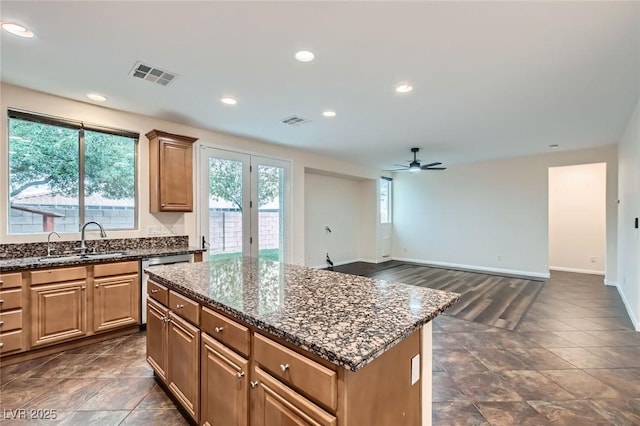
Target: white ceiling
pixel 492 79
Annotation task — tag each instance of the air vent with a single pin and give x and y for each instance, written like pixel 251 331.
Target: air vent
pixel 152 74
pixel 294 120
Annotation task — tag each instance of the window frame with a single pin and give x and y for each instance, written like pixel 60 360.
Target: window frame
pixel 389 183
pixel 80 126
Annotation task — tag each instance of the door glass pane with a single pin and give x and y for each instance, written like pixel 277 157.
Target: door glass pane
pixel 225 208
pixel 43 178
pixel 270 212
pixel 109 180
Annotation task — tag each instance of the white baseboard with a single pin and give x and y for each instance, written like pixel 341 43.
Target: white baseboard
pixel 475 268
pixel 610 283
pixel 576 270
pixel 632 317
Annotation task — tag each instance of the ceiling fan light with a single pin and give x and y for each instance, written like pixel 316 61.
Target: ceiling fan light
pixel 414 166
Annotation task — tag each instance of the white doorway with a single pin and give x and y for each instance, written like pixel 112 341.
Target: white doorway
pixel 243 205
pixel 577 218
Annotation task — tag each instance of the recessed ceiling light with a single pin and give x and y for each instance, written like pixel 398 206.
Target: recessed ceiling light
pixel 554 146
pixel 96 97
pixel 305 56
pixel 329 113
pixel 18 30
pixel 228 100
pixel 404 88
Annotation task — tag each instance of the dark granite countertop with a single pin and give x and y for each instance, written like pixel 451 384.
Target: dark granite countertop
pixel 21 263
pixel 346 319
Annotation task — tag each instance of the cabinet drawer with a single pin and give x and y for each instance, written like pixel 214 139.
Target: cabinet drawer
pixel 308 376
pixel 57 275
pixel 158 292
pixel 10 341
pixel 226 331
pixel 11 280
pixel 184 307
pixel 10 299
pixel 119 268
pixel 10 321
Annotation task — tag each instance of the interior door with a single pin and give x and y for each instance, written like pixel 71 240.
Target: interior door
pixel 244 205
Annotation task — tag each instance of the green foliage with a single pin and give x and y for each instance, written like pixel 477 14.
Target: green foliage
pixel 225 182
pixel 42 154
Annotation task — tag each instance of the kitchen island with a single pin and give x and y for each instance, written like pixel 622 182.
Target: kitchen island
pixel 242 341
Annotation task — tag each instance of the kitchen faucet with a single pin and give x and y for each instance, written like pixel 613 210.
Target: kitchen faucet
pixel 83 247
pixel 49 241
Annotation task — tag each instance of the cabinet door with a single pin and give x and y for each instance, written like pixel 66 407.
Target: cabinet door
pixel 183 369
pixel 176 193
pixel 224 379
pixel 277 405
pixel 58 312
pixel 116 302
pixel 157 316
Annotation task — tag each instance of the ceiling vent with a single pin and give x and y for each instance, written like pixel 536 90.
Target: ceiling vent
pixel 294 120
pixel 152 74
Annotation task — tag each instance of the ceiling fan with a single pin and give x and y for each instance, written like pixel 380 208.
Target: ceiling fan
pixel 415 166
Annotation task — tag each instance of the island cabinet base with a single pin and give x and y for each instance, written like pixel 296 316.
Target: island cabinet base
pixel 247 377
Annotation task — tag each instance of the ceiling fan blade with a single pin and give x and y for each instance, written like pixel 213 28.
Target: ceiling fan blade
pixel 395 170
pixel 404 166
pixel 431 164
pixel 434 168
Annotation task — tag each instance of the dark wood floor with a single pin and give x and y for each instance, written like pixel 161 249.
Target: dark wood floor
pixel 487 299
pixel 574 360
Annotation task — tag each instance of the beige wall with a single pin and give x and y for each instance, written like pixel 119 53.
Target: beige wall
pixel 577 218
pixel 344 205
pixel 179 223
pixel 491 215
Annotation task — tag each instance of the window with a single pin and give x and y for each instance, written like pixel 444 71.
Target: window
pixel 385 200
pixel 63 174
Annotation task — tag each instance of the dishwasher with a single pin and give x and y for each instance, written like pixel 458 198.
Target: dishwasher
pixel 151 261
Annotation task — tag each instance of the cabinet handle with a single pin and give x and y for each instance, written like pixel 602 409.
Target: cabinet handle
pixel 1 345
pixel 155 290
pixel 163 205
pixel 1 301
pixel 178 306
pixel 97 285
pixel 254 384
pixel 1 323
pixel 240 374
pixel 167 319
pixel 219 329
pixel 83 287
pixel 284 367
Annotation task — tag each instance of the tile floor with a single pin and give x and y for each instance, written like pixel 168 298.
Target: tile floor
pixel 573 360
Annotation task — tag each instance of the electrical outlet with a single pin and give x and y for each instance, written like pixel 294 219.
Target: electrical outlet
pixel 593 259
pixel 404 249
pixel 499 257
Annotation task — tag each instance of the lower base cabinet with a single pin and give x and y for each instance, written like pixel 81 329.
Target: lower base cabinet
pixel 183 378
pixel 278 405
pixel 224 385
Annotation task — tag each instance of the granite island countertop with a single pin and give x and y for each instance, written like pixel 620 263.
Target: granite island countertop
pixel 22 263
pixel 346 319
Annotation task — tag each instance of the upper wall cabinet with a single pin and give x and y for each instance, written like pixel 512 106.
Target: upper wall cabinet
pixel 170 172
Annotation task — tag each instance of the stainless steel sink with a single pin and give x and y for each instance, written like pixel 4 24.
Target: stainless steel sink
pixel 88 256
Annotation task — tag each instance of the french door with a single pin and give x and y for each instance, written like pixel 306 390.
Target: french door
pixel 243 205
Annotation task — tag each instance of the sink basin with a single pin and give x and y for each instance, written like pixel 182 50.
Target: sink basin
pixel 71 257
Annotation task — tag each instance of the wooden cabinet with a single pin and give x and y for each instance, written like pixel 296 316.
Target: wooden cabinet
pixel 223 385
pixel 116 296
pixel 58 312
pixel 277 405
pixel 73 302
pixel 173 349
pixel 157 335
pixel 183 356
pixel 12 336
pixel 170 172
